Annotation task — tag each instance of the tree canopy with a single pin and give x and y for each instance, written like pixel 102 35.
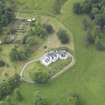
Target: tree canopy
pixel 40 76
pixel 94 25
pixel 63 36
pixel 95 9
pixel 7 13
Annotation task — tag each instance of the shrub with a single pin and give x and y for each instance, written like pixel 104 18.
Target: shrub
pixel 63 36
pixel 74 100
pixel 3 103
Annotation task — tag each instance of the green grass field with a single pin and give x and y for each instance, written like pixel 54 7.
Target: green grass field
pixel 86 78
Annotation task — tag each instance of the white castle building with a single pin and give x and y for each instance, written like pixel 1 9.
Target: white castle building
pixel 53 56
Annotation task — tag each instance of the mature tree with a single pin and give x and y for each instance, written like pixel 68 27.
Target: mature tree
pixel 40 76
pixel 37 29
pixel 95 10
pixel 100 46
pixel 18 95
pixel 30 42
pixel 77 8
pixel 87 25
pixel 100 20
pixel 2 63
pixel 86 7
pixel 40 100
pixel 8 86
pixel 14 81
pixel 63 36
pixel 6 13
pixel 49 28
pixel 4 89
pixel 18 55
pixel 89 38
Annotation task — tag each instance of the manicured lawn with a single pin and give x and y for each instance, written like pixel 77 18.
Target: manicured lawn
pixel 86 78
